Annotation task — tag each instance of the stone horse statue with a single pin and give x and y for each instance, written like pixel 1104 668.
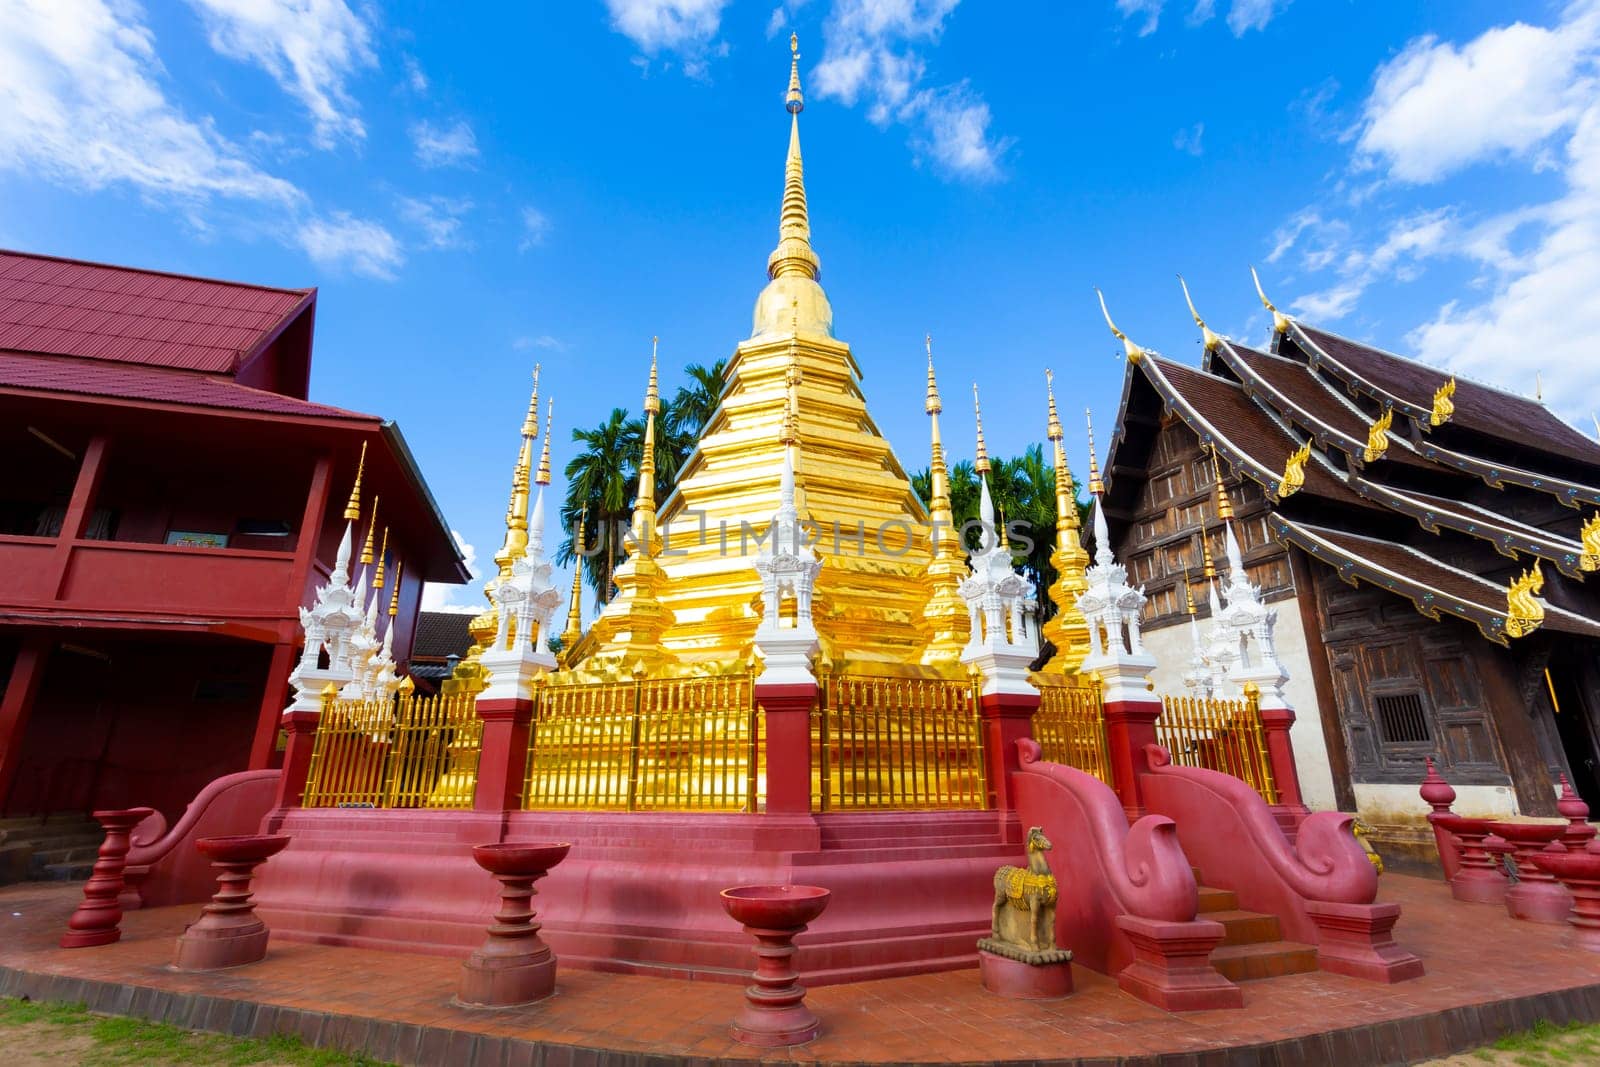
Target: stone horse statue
pixel 1024 923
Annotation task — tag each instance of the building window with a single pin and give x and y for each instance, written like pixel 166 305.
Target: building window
pixel 1401 720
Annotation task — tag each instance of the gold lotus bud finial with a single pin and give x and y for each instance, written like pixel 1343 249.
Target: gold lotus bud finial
pixel 1005 543
pixel 794 102
pixel 1208 565
pixel 1224 505
pixel 394 597
pixel 372 527
pixel 1188 591
pixel 383 553
pixel 1096 486
pixel 1209 339
pixel 1280 321
pixel 933 405
pixel 652 393
pixel 1134 352
pixel 1053 431
pixel 543 477
pixel 1444 405
pixel 1294 472
pixel 530 421
pixel 1378 436
pixel 352 506
pixel 980 464
pixel 1589 560
pixel 1524 610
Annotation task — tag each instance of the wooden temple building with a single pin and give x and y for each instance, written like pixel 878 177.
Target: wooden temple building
pixel 171 501
pixel 1425 539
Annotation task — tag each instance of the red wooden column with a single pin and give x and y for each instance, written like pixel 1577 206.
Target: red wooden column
pixel 1130 726
pixel 504 753
pixel 274 695
pixel 786 709
pixel 26 674
pixel 1006 717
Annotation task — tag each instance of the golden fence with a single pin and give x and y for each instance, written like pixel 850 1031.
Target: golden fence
pixel 896 743
pixel 1070 727
pixel 1220 735
pixel 406 752
pixel 668 744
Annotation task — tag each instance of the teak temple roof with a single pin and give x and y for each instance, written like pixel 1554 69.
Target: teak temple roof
pixel 1444 504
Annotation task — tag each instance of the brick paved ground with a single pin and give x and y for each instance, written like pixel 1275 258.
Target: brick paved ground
pixel 1487 975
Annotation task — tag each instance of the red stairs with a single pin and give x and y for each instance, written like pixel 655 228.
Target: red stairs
pixel 1253 946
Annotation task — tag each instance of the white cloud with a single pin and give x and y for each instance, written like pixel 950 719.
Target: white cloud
pixel 81 103
pixel 439 218
pixel 686 27
pixel 340 241
pixel 543 340
pixel 535 226
pixel 414 75
pixel 1247 15
pixel 436 597
pixel 1149 10
pixel 868 57
pixel 444 146
pixel 309 47
pixel 1189 139
pixel 1243 15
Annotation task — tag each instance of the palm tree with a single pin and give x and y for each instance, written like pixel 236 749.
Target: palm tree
pixel 693 404
pixel 601 481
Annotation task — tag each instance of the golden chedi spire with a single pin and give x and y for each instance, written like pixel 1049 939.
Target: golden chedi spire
pixel 1066 630
pixel 372 526
pixel 516 541
pixel 945 615
pixel 1096 486
pixel 574 631
pixel 1207 338
pixel 352 506
pixel 394 597
pixel 793 265
pixel 980 462
pixel 383 552
pixel 1224 505
pixel 543 475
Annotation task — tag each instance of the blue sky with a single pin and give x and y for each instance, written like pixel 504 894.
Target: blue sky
pixel 476 187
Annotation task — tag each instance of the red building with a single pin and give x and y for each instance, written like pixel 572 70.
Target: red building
pixel 170 500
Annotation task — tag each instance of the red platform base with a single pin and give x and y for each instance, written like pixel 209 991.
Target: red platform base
pixel 212 950
pixel 1357 940
pixel 1024 981
pixel 1171 965
pixel 505 982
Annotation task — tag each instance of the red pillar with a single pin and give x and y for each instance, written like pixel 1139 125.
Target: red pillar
pixel 1006 717
pixel 274 697
pixel 26 674
pixel 503 757
pixel 1130 725
pixel 786 710
pixel 301 727
pixel 1275 724
pixel 79 508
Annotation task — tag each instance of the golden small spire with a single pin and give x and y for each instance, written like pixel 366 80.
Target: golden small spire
pixel 1096 486
pixel 543 477
pixel 1524 611
pixel 652 393
pixel 377 574
pixel 1188 592
pixel 795 101
pixel 1209 339
pixel 1004 542
pixel 530 421
pixel 574 631
pixel 352 506
pixel 1134 352
pixel 793 254
pixel 372 526
pixel 1224 505
pixel 1280 321
pixel 1589 560
pixel 1443 404
pixel 1294 472
pixel 980 465
pixel 644 505
pixel 790 432
pixel 394 597
pixel 1208 566
pixel 1053 431
pixel 932 406
pixel 1378 436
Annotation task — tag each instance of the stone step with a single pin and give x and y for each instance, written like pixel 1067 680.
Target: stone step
pixel 1247 927
pixel 1272 959
pixel 39 840
pixel 65 872
pixel 12 822
pixel 944 841
pixel 1217 900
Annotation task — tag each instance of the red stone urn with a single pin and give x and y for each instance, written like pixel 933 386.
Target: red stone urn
pixel 228 933
pixel 96 920
pixel 1536 897
pixel 514 966
pixel 775 1013
pixel 1576 812
pixel 1579 871
pixel 1479 880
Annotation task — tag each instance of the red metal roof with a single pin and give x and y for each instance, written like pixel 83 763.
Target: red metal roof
pixel 66 307
pixel 160 385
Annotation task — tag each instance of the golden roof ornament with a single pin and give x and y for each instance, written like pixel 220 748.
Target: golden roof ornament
pixel 795 101
pixel 644 505
pixel 1589 560
pixel 652 393
pixel 1208 565
pixel 377 575
pixel 1224 505
pixel 980 464
pixel 574 631
pixel 543 477
pixel 1443 404
pixel 932 405
pixel 1209 339
pixel 793 254
pixel 1053 431
pixel 1280 321
pixel 530 421
pixel 394 597
pixel 1096 486
pixel 1378 436
pixel 1134 352
pixel 372 526
pixel 1188 591
pixel 352 506
pixel 1294 472
pixel 1524 610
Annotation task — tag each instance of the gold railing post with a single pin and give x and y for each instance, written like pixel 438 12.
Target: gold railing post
pixel 633 744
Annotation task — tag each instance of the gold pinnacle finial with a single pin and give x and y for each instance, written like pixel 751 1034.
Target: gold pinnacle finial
pixel 1188 592
pixel 1096 486
pixel 790 432
pixel 1134 352
pixel 530 421
pixel 383 554
pixel 372 528
pixel 794 254
pixel 394 597
pixel 1444 405
pixel 1224 505
pixel 543 477
pixel 1207 337
pixel 933 405
pixel 1004 542
pixel 981 463
pixel 352 506
pixel 795 101
pixel 1280 321
pixel 1053 430
pixel 1208 566
pixel 652 393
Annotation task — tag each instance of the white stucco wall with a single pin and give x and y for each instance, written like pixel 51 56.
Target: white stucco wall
pixel 1171 647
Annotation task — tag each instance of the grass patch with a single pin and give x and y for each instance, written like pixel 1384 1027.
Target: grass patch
pixel 114 1040
pixel 1547 1044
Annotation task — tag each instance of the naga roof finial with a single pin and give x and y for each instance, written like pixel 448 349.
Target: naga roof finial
pixel 1280 321
pixel 1134 352
pixel 1208 338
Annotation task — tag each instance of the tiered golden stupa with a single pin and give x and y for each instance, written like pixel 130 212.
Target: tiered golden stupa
pixel 886 597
